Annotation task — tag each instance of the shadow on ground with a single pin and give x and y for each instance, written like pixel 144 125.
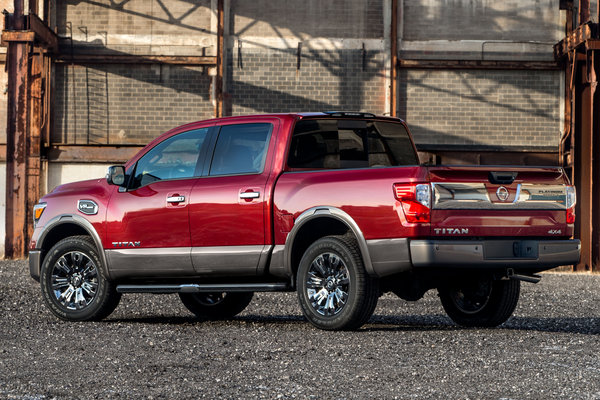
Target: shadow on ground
pixel 587 326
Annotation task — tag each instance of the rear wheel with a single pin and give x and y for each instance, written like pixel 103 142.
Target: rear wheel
pixel 73 282
pixel 218 305
pixel 480 302
pixel 334 290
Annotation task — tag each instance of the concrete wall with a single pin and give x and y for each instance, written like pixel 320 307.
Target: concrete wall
pixel 60 173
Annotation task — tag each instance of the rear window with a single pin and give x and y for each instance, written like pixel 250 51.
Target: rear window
pixel 339 144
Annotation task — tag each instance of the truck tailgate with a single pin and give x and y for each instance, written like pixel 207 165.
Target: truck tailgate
pixel 499 201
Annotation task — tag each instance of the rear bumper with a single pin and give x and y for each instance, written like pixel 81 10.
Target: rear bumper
pixel 523 254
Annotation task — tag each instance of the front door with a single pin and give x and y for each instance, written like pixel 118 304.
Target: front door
pixel 148 231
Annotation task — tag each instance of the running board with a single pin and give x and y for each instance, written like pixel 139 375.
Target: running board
pixel 199 288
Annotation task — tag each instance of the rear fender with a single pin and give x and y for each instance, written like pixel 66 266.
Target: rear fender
pixel 331 212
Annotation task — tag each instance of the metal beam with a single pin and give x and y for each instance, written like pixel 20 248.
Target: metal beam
pixel 92 153
pixel 476 64
pixel 134 59
pixel 45 35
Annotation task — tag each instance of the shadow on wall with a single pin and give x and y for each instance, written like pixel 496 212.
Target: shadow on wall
pixel 130 104
pixel 127 103
pixel 492 107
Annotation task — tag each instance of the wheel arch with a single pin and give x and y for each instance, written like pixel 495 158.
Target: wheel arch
pixel 318 222
pixel 66 225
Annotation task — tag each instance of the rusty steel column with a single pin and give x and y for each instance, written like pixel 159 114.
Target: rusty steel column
pixel 34 161
pixel 584 11
pixel 595 166
pixel 394 60
pixel 16 140
pixel 583 165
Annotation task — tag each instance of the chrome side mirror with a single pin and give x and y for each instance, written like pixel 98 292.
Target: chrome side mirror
pixel 116 175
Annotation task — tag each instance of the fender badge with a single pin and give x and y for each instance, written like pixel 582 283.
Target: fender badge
pixel 87 207
pixel 502 193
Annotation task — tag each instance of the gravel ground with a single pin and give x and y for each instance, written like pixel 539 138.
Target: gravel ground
pixel 151 347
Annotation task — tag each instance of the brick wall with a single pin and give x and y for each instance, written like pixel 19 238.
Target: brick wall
pixel 159 27
pixel 126 104
pixel 518 20
pixel 481 107
pixel 269 81
pixel 301 19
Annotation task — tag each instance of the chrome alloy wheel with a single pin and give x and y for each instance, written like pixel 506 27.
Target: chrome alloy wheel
pixel 74 280
pixel 472 298
pixel 328 284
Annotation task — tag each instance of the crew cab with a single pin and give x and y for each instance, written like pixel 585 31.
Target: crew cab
pixel 333 205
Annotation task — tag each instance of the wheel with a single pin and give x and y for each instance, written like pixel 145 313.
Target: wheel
pixel 481 302
pixel 216 305
pixel 334 290
pixel 73 283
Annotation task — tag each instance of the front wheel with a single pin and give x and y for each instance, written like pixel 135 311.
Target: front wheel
pixel 481 302
pixel 334 290
pixel 216 305
pixel 73 282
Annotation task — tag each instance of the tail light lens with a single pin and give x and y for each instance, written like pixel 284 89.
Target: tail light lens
pixel 571 201
pixel 416 201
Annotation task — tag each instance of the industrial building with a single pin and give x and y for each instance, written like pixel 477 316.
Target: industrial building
pixel 87 83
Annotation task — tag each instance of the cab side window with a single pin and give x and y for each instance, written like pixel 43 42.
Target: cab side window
pixel 241 149
pixel 174 158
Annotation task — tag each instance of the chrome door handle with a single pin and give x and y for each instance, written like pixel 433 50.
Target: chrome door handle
pixel 175 199
pixel 249 195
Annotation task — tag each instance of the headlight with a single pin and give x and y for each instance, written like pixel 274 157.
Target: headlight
pixel 38 210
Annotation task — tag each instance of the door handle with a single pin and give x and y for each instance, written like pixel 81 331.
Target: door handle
pixel 249 195
pixel 175 199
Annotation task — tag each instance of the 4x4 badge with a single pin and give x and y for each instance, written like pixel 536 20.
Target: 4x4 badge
pixel 502 193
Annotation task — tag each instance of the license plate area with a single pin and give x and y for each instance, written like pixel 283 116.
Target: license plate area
pixel 511 249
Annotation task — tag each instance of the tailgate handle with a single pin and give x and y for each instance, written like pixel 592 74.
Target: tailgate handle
pixel 502 178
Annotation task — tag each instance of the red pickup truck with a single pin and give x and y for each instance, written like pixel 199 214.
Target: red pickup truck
pixel 334 206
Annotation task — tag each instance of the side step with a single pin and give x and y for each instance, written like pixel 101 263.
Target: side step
pixel 199 288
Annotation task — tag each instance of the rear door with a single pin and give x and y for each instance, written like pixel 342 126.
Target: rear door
pixel 228 205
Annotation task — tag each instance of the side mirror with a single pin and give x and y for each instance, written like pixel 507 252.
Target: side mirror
pixel 116 175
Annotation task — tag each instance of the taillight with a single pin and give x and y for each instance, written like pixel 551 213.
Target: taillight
pixel 570 203
pixel 416 201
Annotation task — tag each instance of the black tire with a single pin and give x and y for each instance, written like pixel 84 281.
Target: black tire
pixel 334 290
pixel 480 302
pixel 216 305
pixel 74 285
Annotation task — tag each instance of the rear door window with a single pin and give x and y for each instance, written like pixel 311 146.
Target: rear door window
pixel 241 149
pixel 340 144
